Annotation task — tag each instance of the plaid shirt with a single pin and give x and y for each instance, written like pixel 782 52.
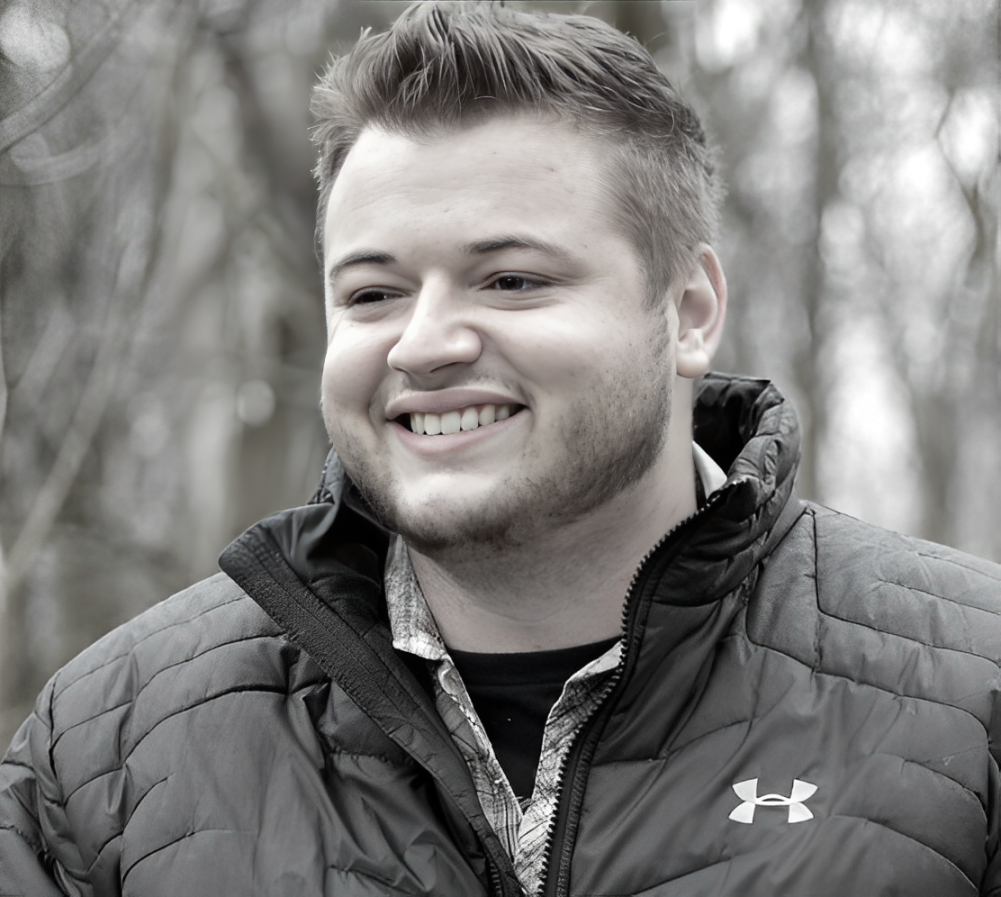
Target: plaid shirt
pixel 523 830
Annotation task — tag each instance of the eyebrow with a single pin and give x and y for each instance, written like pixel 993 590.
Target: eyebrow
pixel 498 244
pixel 362 257
pixel 480 247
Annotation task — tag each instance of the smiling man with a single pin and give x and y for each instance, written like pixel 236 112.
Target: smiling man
pixel 553 623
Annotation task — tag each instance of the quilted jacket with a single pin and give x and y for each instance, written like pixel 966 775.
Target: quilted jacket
pixel 807 705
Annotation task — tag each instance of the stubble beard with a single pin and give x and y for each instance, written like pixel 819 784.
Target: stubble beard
pixel 608 441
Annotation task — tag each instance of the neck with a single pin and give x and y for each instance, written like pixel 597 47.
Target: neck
pixel 566 587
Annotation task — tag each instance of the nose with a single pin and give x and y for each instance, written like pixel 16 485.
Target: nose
pixel 438 333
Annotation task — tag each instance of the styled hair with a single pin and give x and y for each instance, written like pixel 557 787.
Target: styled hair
pixel 444 66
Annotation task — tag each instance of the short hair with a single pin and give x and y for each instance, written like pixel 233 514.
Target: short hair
pixel 444 66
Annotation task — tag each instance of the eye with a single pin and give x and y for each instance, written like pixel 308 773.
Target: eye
pixel 370 295
pixel 517 283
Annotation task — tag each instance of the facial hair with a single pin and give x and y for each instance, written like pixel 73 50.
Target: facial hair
pixel 608 439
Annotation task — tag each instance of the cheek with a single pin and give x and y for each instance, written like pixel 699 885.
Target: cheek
pixel 353 369
pixel 571 353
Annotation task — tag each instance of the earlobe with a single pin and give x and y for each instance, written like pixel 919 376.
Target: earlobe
pixel 701 313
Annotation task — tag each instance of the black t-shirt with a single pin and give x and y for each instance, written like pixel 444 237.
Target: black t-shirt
pixel 513 694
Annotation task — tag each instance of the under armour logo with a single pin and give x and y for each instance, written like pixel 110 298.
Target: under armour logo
pixel 748 793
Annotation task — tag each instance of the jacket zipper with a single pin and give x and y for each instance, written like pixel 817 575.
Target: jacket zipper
pixel 495 884
pixel 577 761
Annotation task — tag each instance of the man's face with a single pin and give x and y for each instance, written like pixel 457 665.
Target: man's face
pixel 477 277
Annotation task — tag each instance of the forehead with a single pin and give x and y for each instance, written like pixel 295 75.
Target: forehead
pixel 504 174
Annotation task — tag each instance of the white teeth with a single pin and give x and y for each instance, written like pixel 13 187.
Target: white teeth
pixel 453 421
pixel 470 419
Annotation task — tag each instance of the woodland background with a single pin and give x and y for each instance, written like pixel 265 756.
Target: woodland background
pixel 161 319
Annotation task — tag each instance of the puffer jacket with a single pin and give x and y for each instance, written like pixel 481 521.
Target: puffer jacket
pixel 807 705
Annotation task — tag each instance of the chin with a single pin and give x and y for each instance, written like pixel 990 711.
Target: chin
pixel 453 528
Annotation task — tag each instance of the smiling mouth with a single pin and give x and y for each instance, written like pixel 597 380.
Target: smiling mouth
pixel 459 420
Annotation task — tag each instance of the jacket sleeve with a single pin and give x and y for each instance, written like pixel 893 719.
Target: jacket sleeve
pixel 27 867
pixel 990 886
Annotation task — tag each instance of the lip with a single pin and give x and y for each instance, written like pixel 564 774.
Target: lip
pixel 437 445
pixel 442 400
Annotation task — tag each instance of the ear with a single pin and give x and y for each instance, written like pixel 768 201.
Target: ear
pixel 701 313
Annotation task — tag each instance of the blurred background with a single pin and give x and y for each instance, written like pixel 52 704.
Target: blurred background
pixel 161 317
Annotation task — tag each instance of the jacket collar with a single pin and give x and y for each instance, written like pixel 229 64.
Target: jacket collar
pixel 752 432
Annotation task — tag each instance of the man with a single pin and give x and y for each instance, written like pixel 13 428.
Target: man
pixel 528 637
